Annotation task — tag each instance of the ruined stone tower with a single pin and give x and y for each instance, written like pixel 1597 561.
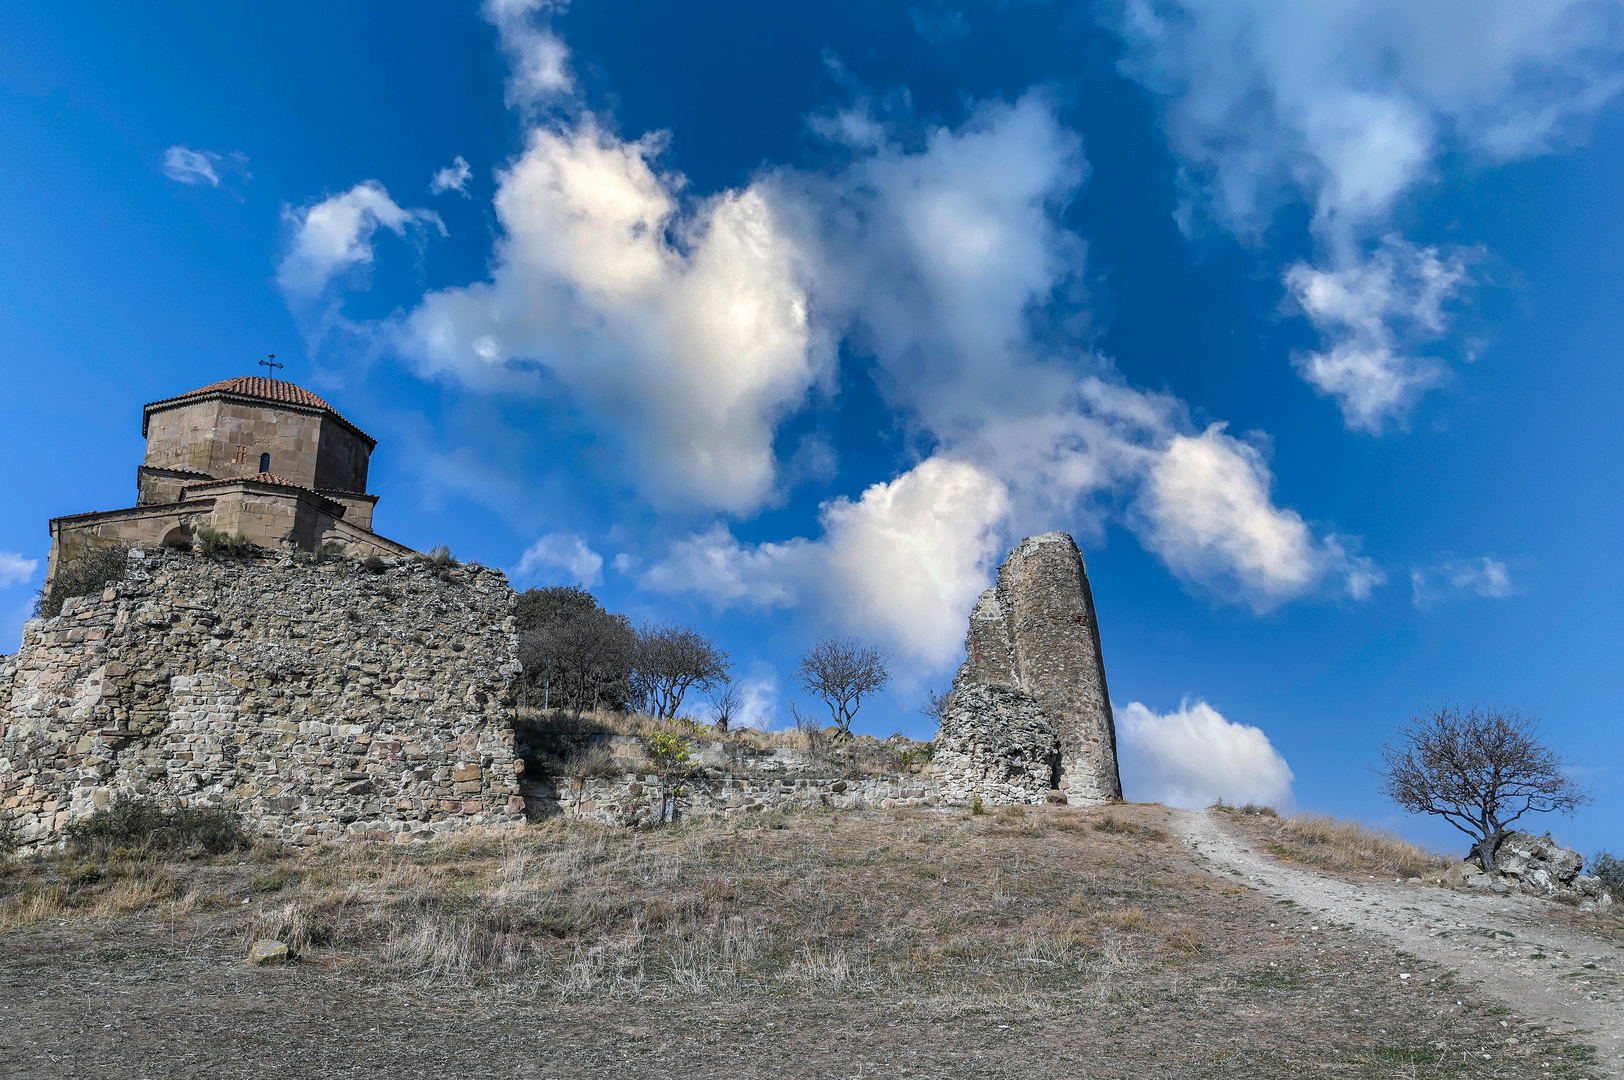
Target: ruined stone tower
pixel 1029 708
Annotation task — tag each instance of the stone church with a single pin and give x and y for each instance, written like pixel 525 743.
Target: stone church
pixel 252 456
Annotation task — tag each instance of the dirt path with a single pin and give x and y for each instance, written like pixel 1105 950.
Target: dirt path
pixel 1507 945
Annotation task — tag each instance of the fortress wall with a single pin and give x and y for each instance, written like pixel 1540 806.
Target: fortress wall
pixel 322 701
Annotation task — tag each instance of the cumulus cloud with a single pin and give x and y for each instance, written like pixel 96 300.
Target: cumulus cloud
pixel 1485 577
pixel 1365 312
pixel 1193 757
pixel 335 235
pixel 903 563
pixel 1209 515
pixel 15 570
pixel 561 558
pixel 454 177
pixel 1347 105
pixel 685 331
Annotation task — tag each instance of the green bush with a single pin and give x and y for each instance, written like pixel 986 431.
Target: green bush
pixel 87 574
pixel 440 555
pixel 216 544
pixel 134 826
pixel 668 751
pixel 1610 868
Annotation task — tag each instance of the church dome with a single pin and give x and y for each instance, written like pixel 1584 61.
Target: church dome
pixel 258 388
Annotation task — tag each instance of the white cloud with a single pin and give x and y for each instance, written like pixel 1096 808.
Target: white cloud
pixel 1194 757
pixel 1209 515
pixel 758 707
pixel 188 166
pixel 1348 104
pixel 902 565
pixel 336 234
pixel 191 166
pixel 561 558
pixel 1365 311
pixel 454 177
pixel 1485 577
pixel 15 570
pixel 540 59
pixel 1350 101
pixel 684 331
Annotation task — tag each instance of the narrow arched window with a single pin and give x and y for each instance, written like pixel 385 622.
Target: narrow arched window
pixel 264 463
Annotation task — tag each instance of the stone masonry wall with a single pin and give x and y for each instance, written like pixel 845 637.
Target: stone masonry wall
pixel 633 800
pixel 322 701
pixel 997 744
pixel 1035 631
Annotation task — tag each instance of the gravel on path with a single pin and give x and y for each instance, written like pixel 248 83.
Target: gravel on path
pixel 1507 945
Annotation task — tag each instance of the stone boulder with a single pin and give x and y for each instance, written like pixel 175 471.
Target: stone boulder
pixel 1035 633
pixel 1538 863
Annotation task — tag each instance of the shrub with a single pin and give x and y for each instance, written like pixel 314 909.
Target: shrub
pixel 1610 868
pixel 977 806
pixel 216 544
pixel 374 565
pixel 440 555
pixel 321 553
pixel 668 751
pixel 8 844
pixel 136 826
pixel 89 573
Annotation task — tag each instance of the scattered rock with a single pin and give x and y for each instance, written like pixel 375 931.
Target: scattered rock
pixel 265 951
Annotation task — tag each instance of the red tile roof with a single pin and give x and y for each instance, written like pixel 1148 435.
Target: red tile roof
pixel 257 386
pixel 260 387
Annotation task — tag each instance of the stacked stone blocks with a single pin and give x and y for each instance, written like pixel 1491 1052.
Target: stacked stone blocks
pixel 321 701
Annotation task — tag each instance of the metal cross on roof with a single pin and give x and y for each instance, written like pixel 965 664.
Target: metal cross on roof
pixel 271 365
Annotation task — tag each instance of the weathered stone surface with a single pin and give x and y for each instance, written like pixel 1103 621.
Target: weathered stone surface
pixel 996 743
pixel 1035 632
pixel 323 701
pixel 637 800
pixel 1539 863
pixel 266 951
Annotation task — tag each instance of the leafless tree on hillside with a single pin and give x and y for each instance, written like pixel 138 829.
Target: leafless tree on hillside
pixel 842 672
pixel 725 699
pixel 671 660
pixel 1480 769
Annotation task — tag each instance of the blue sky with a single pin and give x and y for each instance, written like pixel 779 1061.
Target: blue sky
pixel 791 321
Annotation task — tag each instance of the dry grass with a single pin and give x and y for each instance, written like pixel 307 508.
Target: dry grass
pixel 1337 846
pixel 785 903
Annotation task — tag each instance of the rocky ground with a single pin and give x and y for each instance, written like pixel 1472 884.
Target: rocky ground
pixel 1052 943
pixel 1540 959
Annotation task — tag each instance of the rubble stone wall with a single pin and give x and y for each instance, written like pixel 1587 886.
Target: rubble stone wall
pixel 997 744
pixel 322 701
pixel 633 800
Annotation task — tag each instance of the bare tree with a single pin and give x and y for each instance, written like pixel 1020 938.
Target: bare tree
pixel 670 661
pixel 842 672
pixel 935 705
pixel 725 699
pixel 1480 769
